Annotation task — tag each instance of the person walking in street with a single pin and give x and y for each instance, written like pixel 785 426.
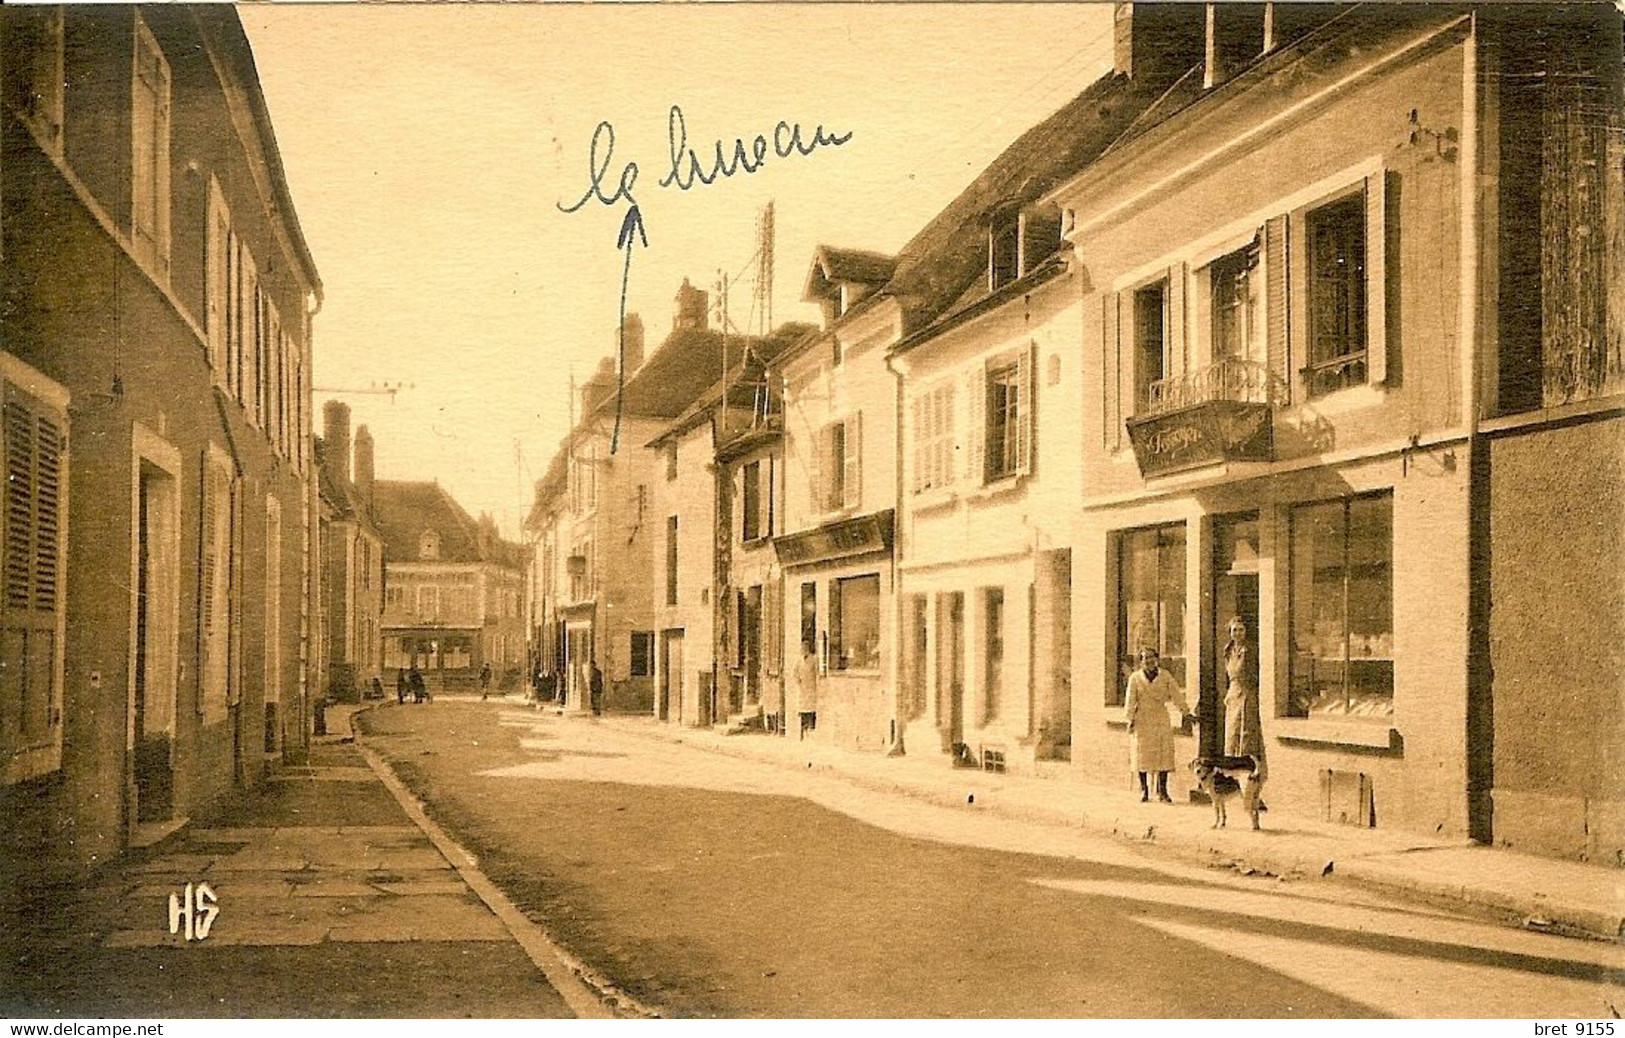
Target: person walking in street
pixel 485 680
pixel 1243 727
pixel 595 689
pixel 401 685
pixel 420 688
pixel 807 691
pixel 1151 690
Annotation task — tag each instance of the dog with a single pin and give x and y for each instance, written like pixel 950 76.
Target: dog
pixel 1223 778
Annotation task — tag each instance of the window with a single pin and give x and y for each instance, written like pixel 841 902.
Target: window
pixel 1008 417
pixel 429 545
pixel 1337 295
pixel 642 654
pixel 854 623
pixel 671 461
pixel 35 445
pixel 1342 609
pixel 837 474
pixel 751 502
pixel 273 602
pixel 1004 248
pixel 428 602
pixel 1150 601
pixel 36 38
pixel 934 438
pixel 1234 300
pixel 394 597
pixel 992 651
pixel 809 617
pixel 149 169
pixel 248 331
pixel 671 560
pixel 1150 341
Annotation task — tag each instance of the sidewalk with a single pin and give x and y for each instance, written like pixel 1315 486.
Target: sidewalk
pixel 1540 893
pixel 332 902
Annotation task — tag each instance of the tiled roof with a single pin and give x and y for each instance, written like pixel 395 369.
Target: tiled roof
pixel 405 510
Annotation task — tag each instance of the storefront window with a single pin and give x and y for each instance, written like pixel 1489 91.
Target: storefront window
pixel 1150 601
pixel 1342 609
pixel 854 623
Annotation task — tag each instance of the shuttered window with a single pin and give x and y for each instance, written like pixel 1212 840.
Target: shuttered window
pixel 149 130
pixel 1008 410
pixel 217 272
pixel 934 438
pixel 35 449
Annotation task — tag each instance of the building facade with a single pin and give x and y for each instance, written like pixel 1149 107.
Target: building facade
pixel 453 590
pixel 155 304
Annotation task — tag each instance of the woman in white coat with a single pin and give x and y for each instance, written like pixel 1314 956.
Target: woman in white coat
pixel 1150 734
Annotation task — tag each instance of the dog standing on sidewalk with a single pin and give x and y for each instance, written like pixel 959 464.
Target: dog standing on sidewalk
pixel 1223 778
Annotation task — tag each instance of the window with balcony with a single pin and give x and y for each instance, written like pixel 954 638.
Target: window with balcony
pixel 1234 304
pixel 1341 609
pixel 1150 341
pixel 1336 273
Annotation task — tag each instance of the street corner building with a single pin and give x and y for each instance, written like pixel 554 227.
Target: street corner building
pixel 452 598
pixel 350 561
pixel 156 297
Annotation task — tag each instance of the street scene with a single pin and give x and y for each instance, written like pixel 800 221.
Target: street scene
pixel 911 511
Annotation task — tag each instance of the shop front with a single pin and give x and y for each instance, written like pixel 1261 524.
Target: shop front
pixel 1344 589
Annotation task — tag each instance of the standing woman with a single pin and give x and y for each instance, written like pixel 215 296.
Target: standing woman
pixel 1150 736
pixel 1243 727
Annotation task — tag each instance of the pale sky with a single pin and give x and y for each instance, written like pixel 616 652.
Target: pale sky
pixel 428 147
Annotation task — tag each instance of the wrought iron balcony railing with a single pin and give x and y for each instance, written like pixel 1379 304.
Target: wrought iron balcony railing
pixel 1230 379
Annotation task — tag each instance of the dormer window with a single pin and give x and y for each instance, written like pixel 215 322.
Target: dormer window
pixel 1004 248
pixel 429 545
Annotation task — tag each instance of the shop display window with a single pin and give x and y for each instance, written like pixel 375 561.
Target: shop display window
pixel 1342 660
pixel 1150 601
pixel 854 623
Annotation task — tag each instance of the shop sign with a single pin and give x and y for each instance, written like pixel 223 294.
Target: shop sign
pixel 1215 431
pixel 860 535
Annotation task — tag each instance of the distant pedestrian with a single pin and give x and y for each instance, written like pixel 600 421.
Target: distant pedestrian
pixel 807 691
pixel 595 689
pixel 1151 690
pixel 485 680
pixel 402 684
pixel 377 687
pixel 420 688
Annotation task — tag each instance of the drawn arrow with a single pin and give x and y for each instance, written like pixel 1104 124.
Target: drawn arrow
pixel 632 222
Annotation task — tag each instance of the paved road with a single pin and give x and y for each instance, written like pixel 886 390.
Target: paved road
pixel 705 885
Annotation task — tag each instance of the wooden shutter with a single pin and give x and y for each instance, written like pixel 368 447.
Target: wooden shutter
pixel 1376 278
pixel 1177 334
pixel 922 443
pixel 233 314
pixel 1111 374
pixel 35 453
pixel 218 275
pixel 1026 364
pixel 248 316
pixel 852 463
pixel 1279 339
pixel 815 481
pixel 976 433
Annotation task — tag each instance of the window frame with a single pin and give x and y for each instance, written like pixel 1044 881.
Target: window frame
pixel 1016 425
pixel 151 244
pixel 839 612
pixel 1125 657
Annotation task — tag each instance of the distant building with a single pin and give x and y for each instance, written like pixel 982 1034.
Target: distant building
pixel 352 559
pixel 156 295
pixel 452 589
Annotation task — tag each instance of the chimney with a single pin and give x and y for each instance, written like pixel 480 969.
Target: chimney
pixel 598 388
pixel 693 309
pixel 632 333
pixel 1158 41
pixel 363 465
pixel 336 431
pixel 1235 39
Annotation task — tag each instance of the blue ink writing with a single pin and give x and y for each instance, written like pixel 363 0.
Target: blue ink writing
pixel 596 170
pixel 687 166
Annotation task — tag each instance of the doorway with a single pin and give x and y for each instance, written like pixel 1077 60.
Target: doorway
pixel 951 671
pixel 153 675
pixel 751 632
pixel 1235 594
pixel 671 675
